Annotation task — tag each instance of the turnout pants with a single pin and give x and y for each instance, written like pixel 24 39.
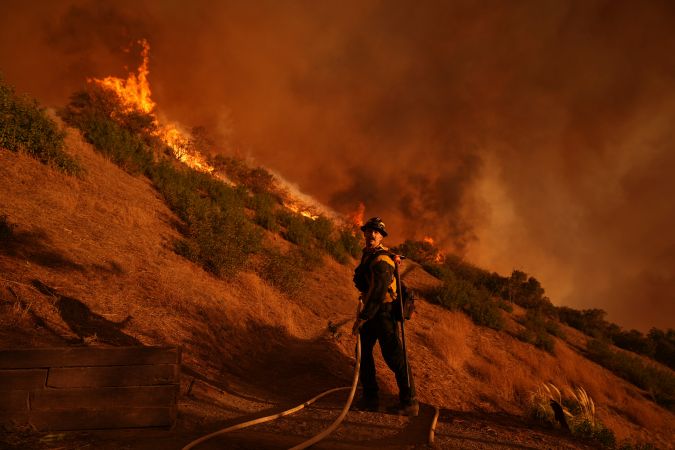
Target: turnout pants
pixel 384 328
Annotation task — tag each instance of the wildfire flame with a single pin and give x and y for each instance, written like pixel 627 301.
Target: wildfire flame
pixel 135 95
pixel 355 218
pixel 135 90
pixel 298 209
pixel 439 257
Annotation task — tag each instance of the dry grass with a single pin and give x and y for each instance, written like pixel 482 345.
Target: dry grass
pixel 110 239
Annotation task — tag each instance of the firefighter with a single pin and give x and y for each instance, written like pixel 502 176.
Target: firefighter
pixel 374 278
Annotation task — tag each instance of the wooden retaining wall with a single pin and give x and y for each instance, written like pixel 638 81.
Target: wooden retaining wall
pixel 79 388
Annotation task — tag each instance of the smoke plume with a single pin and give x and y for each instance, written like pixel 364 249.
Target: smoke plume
pixel 534 135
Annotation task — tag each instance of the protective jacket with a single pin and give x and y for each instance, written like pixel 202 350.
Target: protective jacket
pixel 374 278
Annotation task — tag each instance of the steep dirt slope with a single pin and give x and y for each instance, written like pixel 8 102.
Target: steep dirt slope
pixel 103 243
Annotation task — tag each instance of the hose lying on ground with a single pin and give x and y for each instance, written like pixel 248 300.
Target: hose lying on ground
pixel 432 429
pixel 287 412
pixel 345 408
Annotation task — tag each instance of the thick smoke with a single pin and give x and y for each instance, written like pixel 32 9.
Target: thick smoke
pixel 531 135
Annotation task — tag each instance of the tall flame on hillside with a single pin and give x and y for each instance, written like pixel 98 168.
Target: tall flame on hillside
pixel 135 95
pixel 135 90
pixel 355 218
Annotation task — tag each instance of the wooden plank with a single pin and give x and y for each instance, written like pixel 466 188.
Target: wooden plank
pixel 87 356
pixel 14 408
pixel 13 402
pixel 104 398
pixel 22 379
pixel 74 377
pixel 91 419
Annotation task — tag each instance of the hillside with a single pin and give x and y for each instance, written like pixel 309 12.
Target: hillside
pixel 91 261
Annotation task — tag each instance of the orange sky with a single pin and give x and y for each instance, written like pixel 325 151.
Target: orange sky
pixel 534 135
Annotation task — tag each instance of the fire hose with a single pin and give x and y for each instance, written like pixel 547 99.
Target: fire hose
pixel 297 408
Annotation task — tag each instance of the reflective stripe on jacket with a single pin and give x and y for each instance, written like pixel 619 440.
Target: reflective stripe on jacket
pixel 381 281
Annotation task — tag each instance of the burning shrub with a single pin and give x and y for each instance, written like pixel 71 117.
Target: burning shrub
pixel 24 126
pixel 124 135
pixel 423 252
pixel 218 236
pixel 96 103
pixel 257 180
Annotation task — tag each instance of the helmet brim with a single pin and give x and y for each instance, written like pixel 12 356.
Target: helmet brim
pixel 382 231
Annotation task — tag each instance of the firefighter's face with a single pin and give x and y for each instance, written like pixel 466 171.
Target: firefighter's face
pixel 373 237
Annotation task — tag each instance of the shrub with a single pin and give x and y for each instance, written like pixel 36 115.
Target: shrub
pixel 322 230
pixel 526 292
pixel 483 311
pixel 96 103
pixel 257 180
pixel 336 250
pixel 297 228
pixel 217 234
pixel 352 243
pixel 264 204
pixel 634 341
pixel 658 345
pixel 422 252
pixel 597 433
pixel 506 306
pixel 123 148
pixel 578 409
pixel 664 346
pixel 658 382
pixel 590 321
pixel 126 137
pixel 459 294
pixel 284 271
pixel 538 330
pixel 24 126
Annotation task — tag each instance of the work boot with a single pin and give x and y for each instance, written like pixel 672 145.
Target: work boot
pixel 367 404
pixel 411 409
